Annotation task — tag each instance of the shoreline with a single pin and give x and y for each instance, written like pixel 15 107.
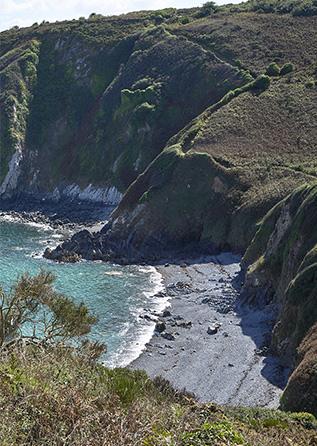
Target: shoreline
pixel 132 343
pixel 147 318
pixel 205 340
pixel 209 343
pixel 66 212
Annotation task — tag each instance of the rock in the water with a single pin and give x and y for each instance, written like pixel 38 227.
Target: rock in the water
pixel 166 313
pixel 160 326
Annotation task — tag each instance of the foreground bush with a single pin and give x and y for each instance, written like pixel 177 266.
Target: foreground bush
pixel 53 392
pixel 56 396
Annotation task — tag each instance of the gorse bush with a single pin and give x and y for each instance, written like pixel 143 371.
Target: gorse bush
pixel 214 433
pixel 208 8
pixel 273 69
pixel 261 83
pixel 286 69
pixel 294 7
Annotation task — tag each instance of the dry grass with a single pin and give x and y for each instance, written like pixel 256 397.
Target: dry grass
pixel 257 39
pixel 54 397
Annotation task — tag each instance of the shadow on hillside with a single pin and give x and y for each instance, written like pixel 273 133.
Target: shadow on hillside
pixel 256 322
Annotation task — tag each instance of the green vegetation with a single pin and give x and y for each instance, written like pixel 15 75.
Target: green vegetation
pixel 34 312
pixel 78 78
pixel 288 272
pixel 184 112
pixel 295 7
pixel 207 9
pixel 55 396
pixel 286 69
pixel 215 194
pixel 133 100
pixel 18 74
pixel 54 393
pixel 273 69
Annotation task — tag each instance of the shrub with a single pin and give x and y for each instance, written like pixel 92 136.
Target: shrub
pixel 310 84
pixel 305 8
pixel 261 83
pixel 265 6
pixel 34 311
pixel 286 68
pixel 214 433
pixel 208 8
pixel 273 69
pixel 184 20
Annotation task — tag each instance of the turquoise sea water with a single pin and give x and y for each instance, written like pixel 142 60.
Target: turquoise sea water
pixel 117 295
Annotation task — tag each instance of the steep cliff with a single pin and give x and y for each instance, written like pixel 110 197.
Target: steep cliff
pixel 101 109
pixel 220 175
pixel 281 267
pixel 96 100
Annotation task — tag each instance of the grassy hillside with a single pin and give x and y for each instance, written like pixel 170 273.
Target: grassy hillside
pixel 229 167
pixel 54 397
pixel 107 93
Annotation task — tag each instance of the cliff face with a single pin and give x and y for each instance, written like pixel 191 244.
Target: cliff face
pixel 96 114
pixel 219 176
pixel 87 105
pixel 281 267
pixel 197 123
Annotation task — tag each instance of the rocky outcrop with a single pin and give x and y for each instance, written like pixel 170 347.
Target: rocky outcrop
pixel 10 182
pixel 281 267
pixel 300 394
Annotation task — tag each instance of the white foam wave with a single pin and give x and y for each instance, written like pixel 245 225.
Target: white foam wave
pixel 113 273
pixel 133 348
pixel 8 218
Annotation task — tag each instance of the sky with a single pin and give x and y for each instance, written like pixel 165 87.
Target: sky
pixel 26 12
